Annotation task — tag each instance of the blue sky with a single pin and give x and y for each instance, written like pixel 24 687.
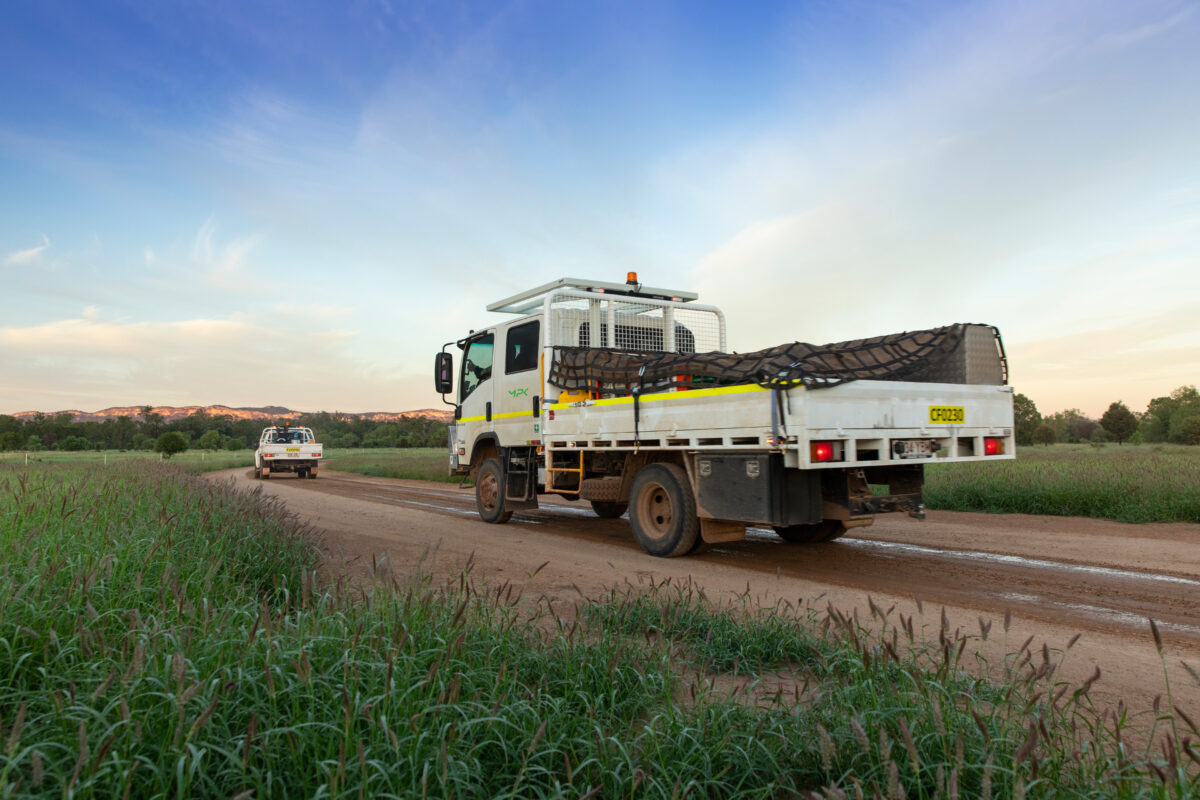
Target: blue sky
pixel 297 203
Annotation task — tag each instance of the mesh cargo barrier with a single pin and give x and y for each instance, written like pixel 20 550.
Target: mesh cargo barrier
pixel 959 353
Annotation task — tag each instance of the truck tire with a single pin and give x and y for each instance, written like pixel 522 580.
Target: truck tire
pixel 301 473
pixel 662 511
pixel 312 475
pixel 258 473
pixel 266 472
pixel 824 531
pixel 607 510
pixel 489 493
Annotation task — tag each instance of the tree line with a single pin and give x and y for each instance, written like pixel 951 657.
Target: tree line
pixel 208 432
pixel 1174 418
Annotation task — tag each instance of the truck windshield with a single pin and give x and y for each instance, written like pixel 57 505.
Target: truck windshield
pixel 477 364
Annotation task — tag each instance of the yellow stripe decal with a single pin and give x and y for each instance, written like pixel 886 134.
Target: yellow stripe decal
pixel 507 415
pixel 716 391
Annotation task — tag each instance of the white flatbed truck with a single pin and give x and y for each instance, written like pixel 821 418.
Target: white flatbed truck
pixel 696 443
pixel 283 448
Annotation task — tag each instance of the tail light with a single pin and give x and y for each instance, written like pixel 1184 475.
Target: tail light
pixel 993 446
pixel 821 451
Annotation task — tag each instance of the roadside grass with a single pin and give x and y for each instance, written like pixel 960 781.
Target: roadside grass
pixel 1143 483
pixel 411 463
pixel 161 636
pixel 189 460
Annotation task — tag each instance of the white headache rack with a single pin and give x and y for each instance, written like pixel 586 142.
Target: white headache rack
pixel 529 300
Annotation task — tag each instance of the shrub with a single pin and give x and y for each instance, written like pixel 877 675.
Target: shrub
pixel 170 443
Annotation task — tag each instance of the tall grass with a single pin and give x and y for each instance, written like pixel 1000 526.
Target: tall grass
pixel 1148 483
pixel 411 463
pixel 161 636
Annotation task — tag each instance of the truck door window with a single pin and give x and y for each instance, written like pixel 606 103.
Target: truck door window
pixel 521 348
pixel 477 364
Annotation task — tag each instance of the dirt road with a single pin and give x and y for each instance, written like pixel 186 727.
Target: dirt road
pixel 1058 576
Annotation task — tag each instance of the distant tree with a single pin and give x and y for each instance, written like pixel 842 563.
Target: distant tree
pixel 1083 428
pixel 210 440
pixel 1044 434
pixel 1063 423
pixel 74 444
pixel 1027 419
pixel 10 440
pixel 1190 430
pixel 1118 422
pixel 1098 436
pixel 150 420
pixel 142 441
pixel 170 443
pixel 233 443
pixel 34 443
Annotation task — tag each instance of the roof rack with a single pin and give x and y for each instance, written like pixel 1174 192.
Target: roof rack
pixel 527 301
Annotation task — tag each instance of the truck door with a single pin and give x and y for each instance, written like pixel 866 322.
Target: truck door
pixel 475 412
pixel 517 385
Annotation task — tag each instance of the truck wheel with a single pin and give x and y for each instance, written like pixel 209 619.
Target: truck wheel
pixel 824 531
pixel 312 475
pixel 266 472
pixel 489 493
pixel 606 510
pixel 302 473
pixel 258 473
pixel 662 511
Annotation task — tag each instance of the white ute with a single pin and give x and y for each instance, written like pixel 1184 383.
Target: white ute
pixel 287 449
pixel 626 396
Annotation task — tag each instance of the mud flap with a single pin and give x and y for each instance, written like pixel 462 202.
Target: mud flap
pixel 715 531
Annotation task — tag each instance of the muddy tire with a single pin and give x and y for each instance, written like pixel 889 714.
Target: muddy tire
pixel 662 511
pixel 311 474
pixel 266 472
pixel 301 473
pixel 489 493
pixel 257 474
pixel 824 531
pixel 606 510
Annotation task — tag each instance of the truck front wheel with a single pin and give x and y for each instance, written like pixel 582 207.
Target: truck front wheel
pixel 662 511
pixel 489 493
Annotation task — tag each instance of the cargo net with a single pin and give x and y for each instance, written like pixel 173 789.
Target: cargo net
pixel 952 354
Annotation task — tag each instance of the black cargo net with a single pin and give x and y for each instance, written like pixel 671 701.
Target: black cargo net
pixel 937 356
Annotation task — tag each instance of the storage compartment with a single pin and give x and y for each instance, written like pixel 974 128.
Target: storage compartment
pixel 756 488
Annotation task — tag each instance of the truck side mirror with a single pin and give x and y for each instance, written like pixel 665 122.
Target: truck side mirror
pixel 443 373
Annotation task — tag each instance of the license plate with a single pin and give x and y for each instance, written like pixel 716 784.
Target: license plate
pixel 293 450
pixel 947 415
pixel 913 448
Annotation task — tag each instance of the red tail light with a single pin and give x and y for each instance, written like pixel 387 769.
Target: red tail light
pixel 821 451
pixel 993 447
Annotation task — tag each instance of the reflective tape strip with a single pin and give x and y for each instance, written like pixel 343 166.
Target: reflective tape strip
pixel 661 396
pixel 506 415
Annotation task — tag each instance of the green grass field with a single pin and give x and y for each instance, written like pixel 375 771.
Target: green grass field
pixel 167 637
pixel 1146 483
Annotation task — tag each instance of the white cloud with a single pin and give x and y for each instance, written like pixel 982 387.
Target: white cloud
pixel 243 359
pixel 29 255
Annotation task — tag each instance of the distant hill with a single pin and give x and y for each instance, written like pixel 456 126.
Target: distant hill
pixel 171 413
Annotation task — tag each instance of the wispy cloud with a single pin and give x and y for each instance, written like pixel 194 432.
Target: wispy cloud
pixel 224 266
pixel 30 254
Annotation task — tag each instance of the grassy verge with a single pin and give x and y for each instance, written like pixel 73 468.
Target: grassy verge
pixel 164 637
pixel 1147 483
pixel 413 463
pixel 190 461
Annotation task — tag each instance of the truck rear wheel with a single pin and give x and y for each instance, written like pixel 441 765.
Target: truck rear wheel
pixel 489 493
pixel 824 531
pixel 257 473
pixel 662 511
pixel 607 510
